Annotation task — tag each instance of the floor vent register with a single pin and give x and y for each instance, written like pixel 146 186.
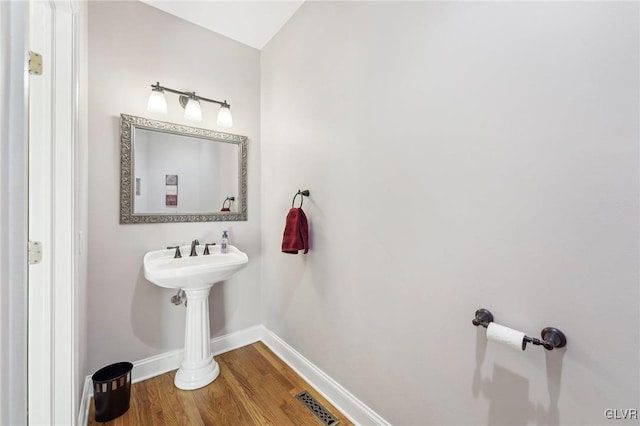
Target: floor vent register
pixel 317 409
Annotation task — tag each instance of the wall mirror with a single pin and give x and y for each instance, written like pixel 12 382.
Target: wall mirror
pixel 175 173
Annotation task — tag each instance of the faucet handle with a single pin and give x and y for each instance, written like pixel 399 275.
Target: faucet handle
pixel 178 254
pixel 206 248
pixel 194 243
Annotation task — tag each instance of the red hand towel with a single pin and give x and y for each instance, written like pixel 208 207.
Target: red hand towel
pixel 296 232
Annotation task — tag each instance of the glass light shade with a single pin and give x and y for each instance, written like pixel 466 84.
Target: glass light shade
pixel 157 102
pixel 224 117
pixel 192 111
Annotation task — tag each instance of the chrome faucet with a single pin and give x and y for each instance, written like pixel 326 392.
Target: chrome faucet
pixel 206 248
pixel 194 243
pixel 178 254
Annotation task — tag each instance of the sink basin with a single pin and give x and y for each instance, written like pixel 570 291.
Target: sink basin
pixel 195 275
pixel 192 271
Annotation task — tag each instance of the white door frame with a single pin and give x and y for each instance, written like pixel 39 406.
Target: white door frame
pixel 53 394
pixel 13 213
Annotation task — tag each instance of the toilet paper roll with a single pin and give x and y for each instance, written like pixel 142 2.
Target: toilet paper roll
pixel 505 335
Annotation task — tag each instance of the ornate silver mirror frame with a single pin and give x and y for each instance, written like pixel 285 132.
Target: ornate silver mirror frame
pixel 128 124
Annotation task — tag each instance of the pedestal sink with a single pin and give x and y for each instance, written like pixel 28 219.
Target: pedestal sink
pixel 195 275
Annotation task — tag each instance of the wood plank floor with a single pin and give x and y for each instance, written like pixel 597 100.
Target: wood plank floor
pixel 254 387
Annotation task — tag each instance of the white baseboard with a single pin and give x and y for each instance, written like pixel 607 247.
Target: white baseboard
pixel 231 341
pixel 156 365
pixel 354 409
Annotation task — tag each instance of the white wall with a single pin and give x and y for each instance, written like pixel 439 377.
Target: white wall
pixel 141 171
pixel 459 155
pixel 131 46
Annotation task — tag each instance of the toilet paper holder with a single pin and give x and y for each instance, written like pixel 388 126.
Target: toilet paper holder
pixel 551 336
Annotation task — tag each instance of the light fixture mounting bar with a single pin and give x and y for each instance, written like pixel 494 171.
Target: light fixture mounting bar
pixel 193 95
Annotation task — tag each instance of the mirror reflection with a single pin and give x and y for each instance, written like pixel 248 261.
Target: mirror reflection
pixel 180 174
pixel 176 173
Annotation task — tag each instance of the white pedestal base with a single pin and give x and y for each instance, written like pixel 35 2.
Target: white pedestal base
pixel 194 378
pixel 198 366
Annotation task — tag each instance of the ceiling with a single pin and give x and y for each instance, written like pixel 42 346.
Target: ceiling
pixel 253 23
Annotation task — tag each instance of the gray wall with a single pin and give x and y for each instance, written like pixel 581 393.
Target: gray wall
pixel 131 46
pixel 459 155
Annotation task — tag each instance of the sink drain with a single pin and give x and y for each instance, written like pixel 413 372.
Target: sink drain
pixel 317 409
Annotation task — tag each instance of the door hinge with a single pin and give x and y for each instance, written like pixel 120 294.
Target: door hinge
pixel 35 63
pixel 35 252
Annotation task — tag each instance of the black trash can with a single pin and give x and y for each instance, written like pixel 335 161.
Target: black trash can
pixel 112 391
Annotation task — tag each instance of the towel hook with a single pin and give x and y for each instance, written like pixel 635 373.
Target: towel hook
pixel 302 194
pixel 230 200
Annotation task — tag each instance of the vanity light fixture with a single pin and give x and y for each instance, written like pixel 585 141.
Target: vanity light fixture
pixel 190 102
pixel 157 102
pixel 192 110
